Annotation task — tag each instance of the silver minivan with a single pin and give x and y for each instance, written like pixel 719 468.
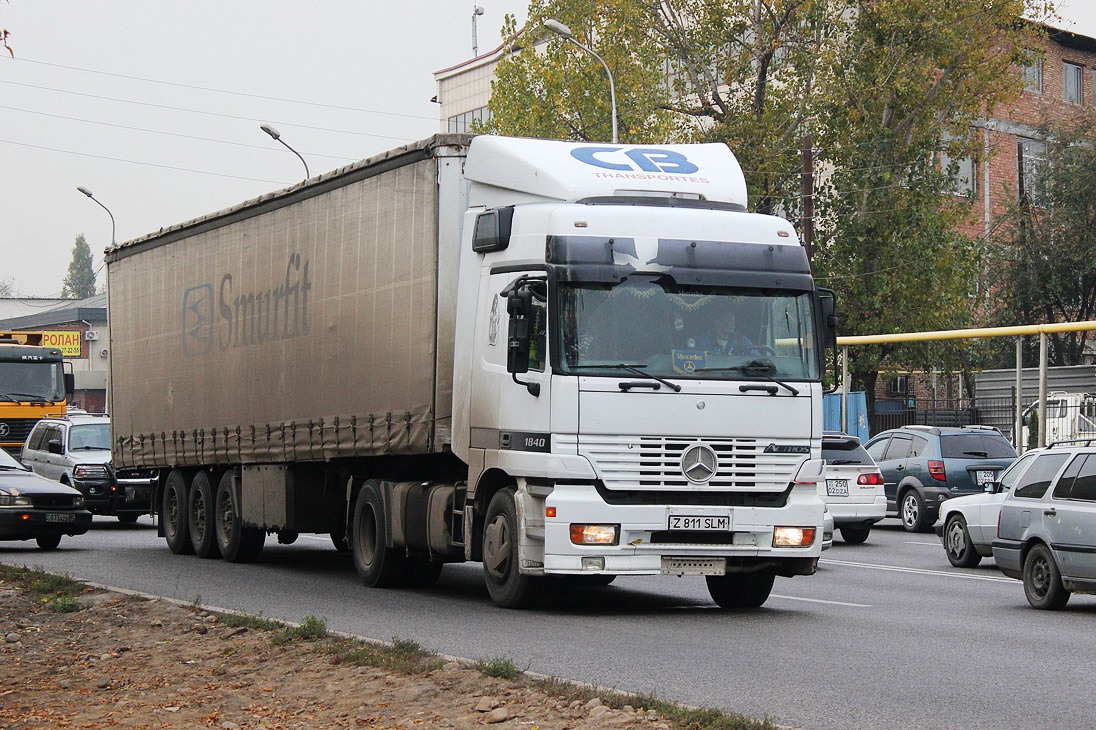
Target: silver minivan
pixel 1046 533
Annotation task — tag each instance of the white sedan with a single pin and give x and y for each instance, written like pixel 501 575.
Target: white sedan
pixel 968 525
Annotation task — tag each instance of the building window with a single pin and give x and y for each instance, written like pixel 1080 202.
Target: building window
pixel 961 171
pixel 1033 76
pixel 462 123
pixel 1033 165
pixel 1072 82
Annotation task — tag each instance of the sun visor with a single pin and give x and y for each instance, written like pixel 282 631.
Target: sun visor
pixel 569 171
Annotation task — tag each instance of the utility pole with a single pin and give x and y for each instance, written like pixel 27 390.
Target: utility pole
pixel 808 198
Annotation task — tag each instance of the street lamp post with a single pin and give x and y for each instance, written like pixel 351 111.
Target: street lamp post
pixel 277 137
pixel 113 228
pixel 565 33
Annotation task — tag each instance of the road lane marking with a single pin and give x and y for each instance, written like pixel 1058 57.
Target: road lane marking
pixel 918 571
pixel 930 544
pixel 819 600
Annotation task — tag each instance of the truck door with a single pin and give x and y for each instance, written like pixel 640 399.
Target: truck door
pixel 506 415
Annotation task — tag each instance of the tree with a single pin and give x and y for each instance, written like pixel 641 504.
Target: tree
pixel 1045 254
pixel 7 288
pixel 906 82
pixel 551 88
pixel 80 282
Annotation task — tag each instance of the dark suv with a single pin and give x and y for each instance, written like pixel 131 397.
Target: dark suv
pixel 924 465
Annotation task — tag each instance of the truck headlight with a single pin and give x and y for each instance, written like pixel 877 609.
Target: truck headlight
pixel 785 537
pixel 594 534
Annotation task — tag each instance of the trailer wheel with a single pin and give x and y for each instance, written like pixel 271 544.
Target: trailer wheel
pixel 203 537
pixel 174 514
pixel 378 565
pixel 505 583
pixel 238 544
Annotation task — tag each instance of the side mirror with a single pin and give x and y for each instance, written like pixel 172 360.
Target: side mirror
pixel 54 446
pixel 70 385
pixel 519 305
pixel 992 487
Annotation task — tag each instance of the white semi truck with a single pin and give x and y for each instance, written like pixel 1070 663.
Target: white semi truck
pixel 484 349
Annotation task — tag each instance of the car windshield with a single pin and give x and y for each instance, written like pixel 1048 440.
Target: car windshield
pixel 89 436
pixel 975 446
pixel 674 331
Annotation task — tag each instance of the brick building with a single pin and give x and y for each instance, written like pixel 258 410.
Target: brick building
pixel 1059 86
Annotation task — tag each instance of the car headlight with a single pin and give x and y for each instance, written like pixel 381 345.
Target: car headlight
pixel 14 499
pixel 89 471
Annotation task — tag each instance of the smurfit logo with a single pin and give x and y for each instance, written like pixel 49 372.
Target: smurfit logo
pixel 636 159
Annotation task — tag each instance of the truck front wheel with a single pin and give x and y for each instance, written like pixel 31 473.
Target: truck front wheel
pixel 505 583
pixel 378 565
pixel 741 590
pixel 237 543
pixel 173 512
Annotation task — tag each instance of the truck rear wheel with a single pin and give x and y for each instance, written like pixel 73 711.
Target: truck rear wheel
pixel 203 537
pixel 173 512
pixel 237 543
pixel 501 568
pixel 378 565
pixel 741 590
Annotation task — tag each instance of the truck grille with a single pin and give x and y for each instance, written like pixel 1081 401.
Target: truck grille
pixel 654 462
pixel 18 430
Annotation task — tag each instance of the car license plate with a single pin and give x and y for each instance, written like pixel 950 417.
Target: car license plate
pixel 837 487
pixel 700 523
pixel 56 517
pixel 984 476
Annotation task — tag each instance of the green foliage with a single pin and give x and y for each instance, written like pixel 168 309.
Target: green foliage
pixel 311 628
pixel 80 281
pixel 403 655
pixel 501 667
pixel 1045 251
pixel 239 620
pixel 64 604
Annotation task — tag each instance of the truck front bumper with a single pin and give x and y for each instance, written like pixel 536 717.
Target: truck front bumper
pixel 649 541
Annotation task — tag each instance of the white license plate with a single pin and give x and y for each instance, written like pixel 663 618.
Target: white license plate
pixel 837 487
pixel 54 517
pixel 700 523
pixel 984 476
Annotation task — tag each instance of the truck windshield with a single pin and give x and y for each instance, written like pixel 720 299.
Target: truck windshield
pixel 31 381
pixel 674 331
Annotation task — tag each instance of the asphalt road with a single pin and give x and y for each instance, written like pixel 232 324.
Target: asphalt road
pixel 886 635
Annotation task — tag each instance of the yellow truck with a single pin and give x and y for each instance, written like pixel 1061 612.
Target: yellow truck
pixel 33 384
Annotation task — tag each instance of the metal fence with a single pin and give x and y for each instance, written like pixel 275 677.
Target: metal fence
pixel 997 412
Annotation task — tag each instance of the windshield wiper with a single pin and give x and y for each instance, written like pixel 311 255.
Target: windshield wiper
pixel 982 454
pixel 89 448
pixel 24 396
pixel 758 368
pixel 637 369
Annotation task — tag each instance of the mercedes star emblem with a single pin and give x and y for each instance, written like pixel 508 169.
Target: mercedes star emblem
pixel 698 463
pixel 4 429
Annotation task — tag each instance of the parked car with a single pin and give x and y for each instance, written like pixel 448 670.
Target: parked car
pixel 34 508
pixel 852 488
pixel 924 465
pixel 1046 534
pixel 968 525
pixel 74 449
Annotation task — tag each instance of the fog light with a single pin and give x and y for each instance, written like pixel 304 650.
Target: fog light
pixel 594 534
pixel 593 563
pixel 793 536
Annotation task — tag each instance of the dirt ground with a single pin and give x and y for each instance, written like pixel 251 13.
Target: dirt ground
pixel 115 661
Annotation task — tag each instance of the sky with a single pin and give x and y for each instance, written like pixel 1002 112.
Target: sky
pixel 155 107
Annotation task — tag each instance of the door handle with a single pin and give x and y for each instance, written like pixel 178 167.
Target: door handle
pixel 1050 512
pixel 901 467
